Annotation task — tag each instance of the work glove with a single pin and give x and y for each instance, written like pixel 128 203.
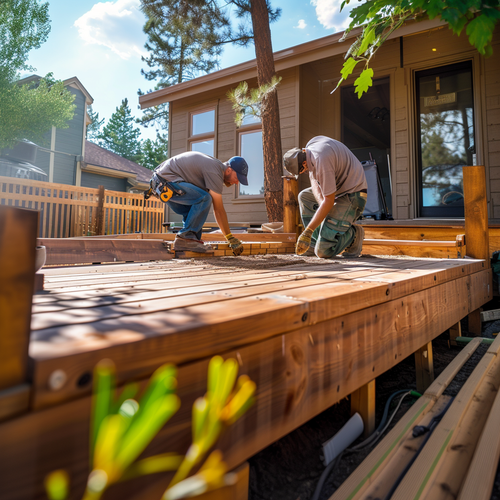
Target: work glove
pixel 304 242
pixel 235 244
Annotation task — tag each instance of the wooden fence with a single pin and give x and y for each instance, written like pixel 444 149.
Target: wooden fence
pixel 67 211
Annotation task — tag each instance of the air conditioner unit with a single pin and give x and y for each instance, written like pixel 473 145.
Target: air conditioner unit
pixel 22 151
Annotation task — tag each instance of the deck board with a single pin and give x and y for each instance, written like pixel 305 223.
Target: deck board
pixel 309 333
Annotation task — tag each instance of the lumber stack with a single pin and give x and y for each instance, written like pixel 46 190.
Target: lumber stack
pixel 458 460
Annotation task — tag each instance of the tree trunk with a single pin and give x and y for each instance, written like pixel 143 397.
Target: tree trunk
pixel 271 133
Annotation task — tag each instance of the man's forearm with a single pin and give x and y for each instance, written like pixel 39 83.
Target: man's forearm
pixel 316 189
pixel 221 218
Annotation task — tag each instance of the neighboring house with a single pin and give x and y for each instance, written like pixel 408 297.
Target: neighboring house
pixel 102 167
pixel 67 157
pixel 434 106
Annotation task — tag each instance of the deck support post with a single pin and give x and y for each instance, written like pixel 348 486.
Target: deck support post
pixel 363 402
pixel 424 367
pixel 291 216
pixel 455 331
pixel 18 231
pixel 476 226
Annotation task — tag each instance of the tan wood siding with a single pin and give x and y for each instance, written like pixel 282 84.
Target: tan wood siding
pixel 492 155
pixel 238 210
pixel 310 104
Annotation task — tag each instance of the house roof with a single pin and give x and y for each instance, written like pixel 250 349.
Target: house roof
pixel 69 82
pixel 100 160
pixel 294 56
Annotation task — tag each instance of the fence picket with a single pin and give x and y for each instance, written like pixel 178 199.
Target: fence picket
pixel 67 211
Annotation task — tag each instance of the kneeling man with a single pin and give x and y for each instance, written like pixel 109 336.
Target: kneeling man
pixel 335 200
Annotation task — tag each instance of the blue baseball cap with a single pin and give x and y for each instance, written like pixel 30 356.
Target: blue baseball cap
pixel 240 166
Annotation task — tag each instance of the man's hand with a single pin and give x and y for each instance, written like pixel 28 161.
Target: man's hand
pixel 235 244
pixel 304 242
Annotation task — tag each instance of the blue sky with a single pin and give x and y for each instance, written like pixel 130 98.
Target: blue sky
pixel 101 43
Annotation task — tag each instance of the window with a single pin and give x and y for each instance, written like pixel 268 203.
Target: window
pixel 202 132
pixel 250 146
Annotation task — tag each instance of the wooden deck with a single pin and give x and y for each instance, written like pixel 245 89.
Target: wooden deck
pixel 308 332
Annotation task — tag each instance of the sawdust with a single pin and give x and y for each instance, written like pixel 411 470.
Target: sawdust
pixel 270 261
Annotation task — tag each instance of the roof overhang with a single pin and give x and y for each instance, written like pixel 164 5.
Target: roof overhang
pixel 75 83
pixel 284 59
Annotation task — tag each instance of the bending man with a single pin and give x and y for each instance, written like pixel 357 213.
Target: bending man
pixel 335 200
pixel 201 178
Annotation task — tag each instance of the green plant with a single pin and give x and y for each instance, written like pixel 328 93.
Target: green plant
pixel 380 18
pixel 122 427
pixel 248 102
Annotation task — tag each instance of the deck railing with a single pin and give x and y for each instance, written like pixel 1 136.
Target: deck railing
pixel 67 211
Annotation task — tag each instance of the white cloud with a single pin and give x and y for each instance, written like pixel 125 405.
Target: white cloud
pixel 302 24
pixel 115 25
pixel 329 15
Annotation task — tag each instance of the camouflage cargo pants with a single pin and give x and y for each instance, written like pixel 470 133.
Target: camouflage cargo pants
pixel 335 233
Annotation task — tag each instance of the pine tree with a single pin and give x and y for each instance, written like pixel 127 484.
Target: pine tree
pixel 186 38
pixel 120 136
pixel 154 152
pixel 94 128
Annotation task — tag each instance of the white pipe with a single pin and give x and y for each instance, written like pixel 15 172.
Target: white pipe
pixel 351 430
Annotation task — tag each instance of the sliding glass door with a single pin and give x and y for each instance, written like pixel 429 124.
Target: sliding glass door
pixel 445 132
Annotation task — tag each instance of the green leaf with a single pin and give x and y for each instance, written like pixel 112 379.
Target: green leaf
pixel 214 373
pixel 480 32
pixel 128 392
pixel 363 82
pixel 104 382
pixel 57 485
pixel 199 417
pixel 152 465
pixel 348 68
pixel 161 382
pixel 367 39
pixel 144 427
pixel 107 444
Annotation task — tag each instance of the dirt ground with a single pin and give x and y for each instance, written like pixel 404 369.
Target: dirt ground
pixel 290 468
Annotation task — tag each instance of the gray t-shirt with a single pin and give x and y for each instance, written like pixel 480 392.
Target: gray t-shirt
pixel 196 168
pixel 334 166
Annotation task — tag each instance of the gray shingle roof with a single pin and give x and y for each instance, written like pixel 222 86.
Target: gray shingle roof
pixel 100 157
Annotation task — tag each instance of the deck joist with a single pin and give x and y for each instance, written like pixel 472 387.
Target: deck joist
pixel 309 335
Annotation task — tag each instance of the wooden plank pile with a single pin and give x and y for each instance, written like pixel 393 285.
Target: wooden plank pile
pixel 456 458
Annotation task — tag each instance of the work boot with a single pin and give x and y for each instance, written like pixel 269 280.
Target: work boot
pixel 189 245
pixel 354 249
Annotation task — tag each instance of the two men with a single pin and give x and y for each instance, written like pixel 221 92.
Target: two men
pixel 197 181
pixel 335 200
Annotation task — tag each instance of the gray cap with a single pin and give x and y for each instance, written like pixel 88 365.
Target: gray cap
pixel 291 161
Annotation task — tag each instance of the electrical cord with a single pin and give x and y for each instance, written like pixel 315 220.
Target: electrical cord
pixel 384 424
pixel 419 430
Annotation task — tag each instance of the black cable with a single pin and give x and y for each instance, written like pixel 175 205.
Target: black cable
pixel 419 430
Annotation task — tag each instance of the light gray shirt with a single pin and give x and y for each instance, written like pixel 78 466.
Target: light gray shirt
pixel 196 168
pixel 334 167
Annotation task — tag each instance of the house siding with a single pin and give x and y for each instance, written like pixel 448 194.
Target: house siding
pixel 307 108
pixel 91 180
pixel 492 105
pixel 251 210
pixel 69 140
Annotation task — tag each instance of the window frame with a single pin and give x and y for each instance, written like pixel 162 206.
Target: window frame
pixel 194 138
pixel 244 130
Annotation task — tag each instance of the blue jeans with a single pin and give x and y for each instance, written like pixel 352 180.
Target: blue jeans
pixel 194 206
pixel 335 233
